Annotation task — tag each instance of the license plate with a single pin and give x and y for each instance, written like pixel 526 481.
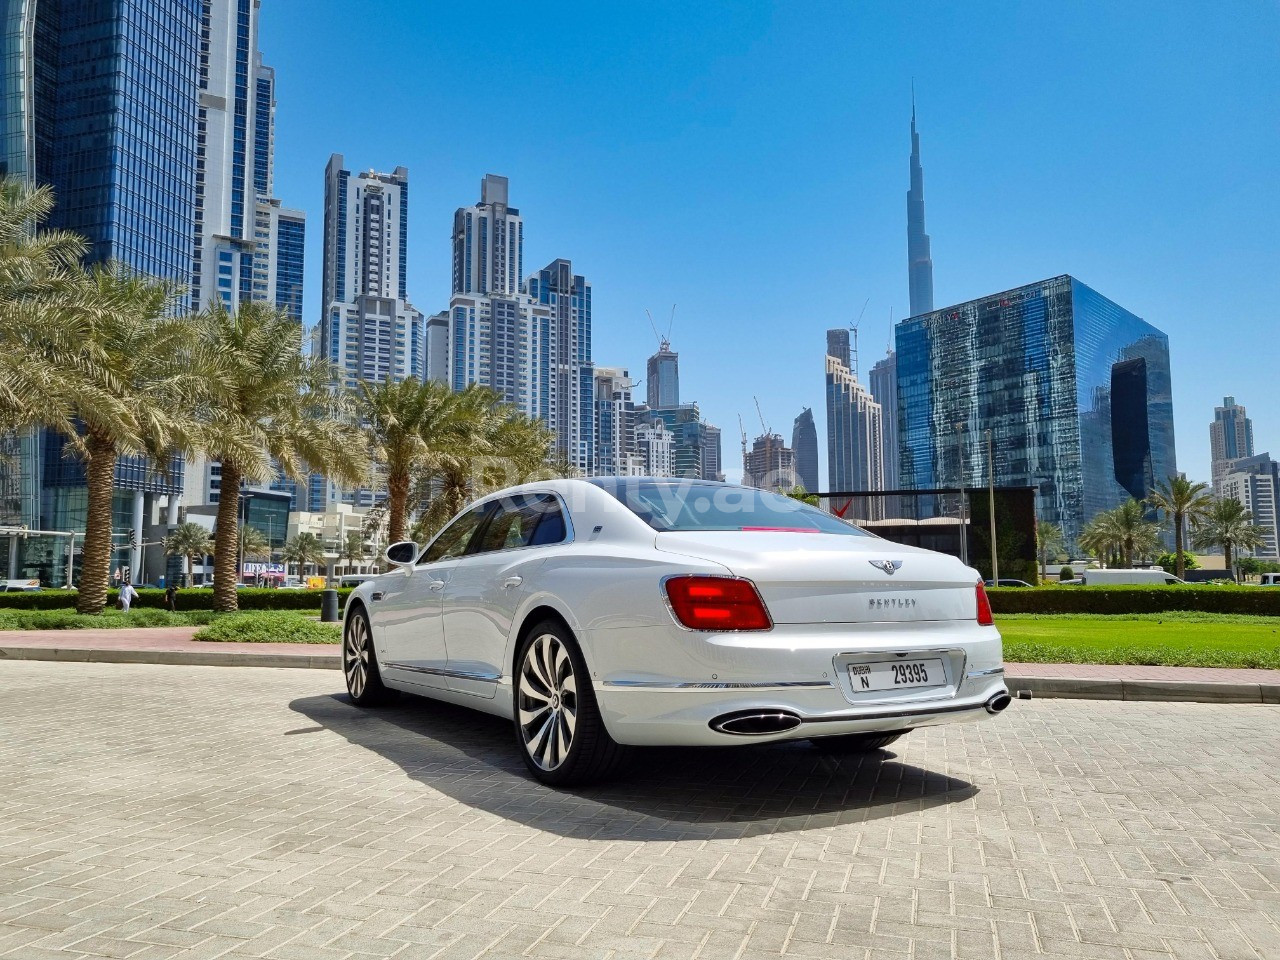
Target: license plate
pixel 896 675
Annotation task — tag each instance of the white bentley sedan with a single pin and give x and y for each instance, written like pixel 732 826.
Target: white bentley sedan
pixel 608 612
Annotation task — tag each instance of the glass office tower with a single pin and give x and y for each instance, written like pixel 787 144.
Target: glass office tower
pixel 1075 388
pixel 99 100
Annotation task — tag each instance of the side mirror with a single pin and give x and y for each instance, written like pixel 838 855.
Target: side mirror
pixel 402 554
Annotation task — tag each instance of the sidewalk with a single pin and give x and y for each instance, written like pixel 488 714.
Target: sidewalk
pixel 1082 680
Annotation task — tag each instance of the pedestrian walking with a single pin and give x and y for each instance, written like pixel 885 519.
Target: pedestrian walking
pixel 171 598
pixel 127 595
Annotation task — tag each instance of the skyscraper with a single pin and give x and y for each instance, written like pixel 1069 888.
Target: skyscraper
pixel 838 346
pixel 531 342
pixel 653 445
pixel 491 322
pixel 804 441
pixel 488 243
pixel 769 464
pixel 561 375
pixel 919 258
pixel 100 101
pixel 1255 482
pixel 1075 389
pixel 368 329
pixel 695 450
pixel 854 441
pixel 883 382
pixel 248 246
pixel 1230 437
pixel 615 426
pixel 662 383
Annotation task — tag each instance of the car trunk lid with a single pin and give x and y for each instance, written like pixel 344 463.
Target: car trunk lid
pixel 823 578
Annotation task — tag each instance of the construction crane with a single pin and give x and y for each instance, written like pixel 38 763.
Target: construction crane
pixel 760 413
pixel 853 346
pixel 662 341
pixel 743 430
pixel 653 326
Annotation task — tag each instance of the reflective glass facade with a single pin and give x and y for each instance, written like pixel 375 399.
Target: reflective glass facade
pixel 115 83
pixel 99 100
pixel 291 239
pixel 1075 388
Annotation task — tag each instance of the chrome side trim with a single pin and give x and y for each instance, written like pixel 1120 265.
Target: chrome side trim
pixel 717 685
pixel 442 672
pixel 988 672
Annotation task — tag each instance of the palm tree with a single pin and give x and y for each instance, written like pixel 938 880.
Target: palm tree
pixel 351 549
pixel 266 405
pixel 492 445
pixel 303 549
pixel 1049 538
pixel 253 544
pixel 139 356
pixel 1181 501
pixel 1122 534
pixel 47 352
pixel 191 541
pixel 1227 524
pixel 803 495
pixel 411 428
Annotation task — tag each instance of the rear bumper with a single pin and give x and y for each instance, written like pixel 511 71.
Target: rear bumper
pixel 684 718
pixel 793 671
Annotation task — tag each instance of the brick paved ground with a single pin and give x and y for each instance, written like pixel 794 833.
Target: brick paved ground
pixel 197 812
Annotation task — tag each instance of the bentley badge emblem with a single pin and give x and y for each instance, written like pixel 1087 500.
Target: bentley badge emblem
pixel 888 566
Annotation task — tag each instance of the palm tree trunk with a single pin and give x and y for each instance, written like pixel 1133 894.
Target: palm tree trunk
pixel 1178 545
pixel 226 540
pixel 95 563
pixel 190 575
pixel 397 498
pixel 1231 567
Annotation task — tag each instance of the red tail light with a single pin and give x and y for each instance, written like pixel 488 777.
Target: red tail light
pixel 984 608
pixel 717 603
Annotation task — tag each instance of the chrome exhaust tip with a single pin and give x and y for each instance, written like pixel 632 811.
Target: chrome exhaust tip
pixel 755 723
pixel 998 703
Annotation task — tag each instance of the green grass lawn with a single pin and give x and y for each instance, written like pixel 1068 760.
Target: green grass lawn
pixel 1168 639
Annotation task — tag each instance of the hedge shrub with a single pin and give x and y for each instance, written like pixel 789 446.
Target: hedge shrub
pixel 1258 601
pixel 192 598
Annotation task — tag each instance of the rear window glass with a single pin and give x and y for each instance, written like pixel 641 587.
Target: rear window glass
pixel 690 506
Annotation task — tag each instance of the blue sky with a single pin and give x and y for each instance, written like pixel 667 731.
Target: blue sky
pixel 748 162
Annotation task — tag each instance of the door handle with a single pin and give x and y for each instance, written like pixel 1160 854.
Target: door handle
pixel 436 585
pixel 510 582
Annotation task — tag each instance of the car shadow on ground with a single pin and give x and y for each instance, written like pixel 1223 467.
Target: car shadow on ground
pixel 662 793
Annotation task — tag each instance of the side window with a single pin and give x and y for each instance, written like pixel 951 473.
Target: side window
pixel 522 522
pixel 551 525
pixel 453 541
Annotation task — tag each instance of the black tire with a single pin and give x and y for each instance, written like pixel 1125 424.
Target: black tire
pixel 546 715
pixel 360 663
pixel 857 742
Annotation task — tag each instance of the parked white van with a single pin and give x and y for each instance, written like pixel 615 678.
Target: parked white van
pixel 1097 578
pixel 1271 579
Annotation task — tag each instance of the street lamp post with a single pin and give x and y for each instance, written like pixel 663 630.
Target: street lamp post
pixel 964 504
pixel 244 518
pixel 991 508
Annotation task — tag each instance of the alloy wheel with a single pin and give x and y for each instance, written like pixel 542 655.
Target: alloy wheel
pixel 355 656
pixel 548 707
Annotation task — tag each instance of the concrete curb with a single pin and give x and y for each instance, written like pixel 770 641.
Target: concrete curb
pixel 213 658
pixel 1184 691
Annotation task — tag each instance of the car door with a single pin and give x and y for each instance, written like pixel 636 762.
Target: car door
pixel 408 614
pixel 486 587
